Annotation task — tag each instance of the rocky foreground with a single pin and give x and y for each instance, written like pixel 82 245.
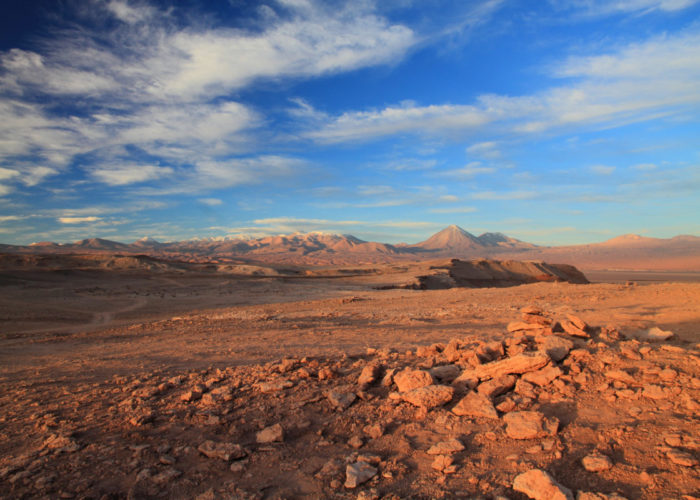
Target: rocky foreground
pixel 557 409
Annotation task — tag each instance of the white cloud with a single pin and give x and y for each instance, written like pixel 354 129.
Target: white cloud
pixel 472 169
pixel 7 173
pixel 456 210
pixel 211 202
pixel 285 225
pixel 408 118
pixel 152 85
pixel 602 169
pixel 607 7
pixel 122 175
pixel 488 149
pixel 130 13
pixel 33 175
pixel 504 195
pixel 644 166
pixel 78 220
pixel 606 90
pixel 316 40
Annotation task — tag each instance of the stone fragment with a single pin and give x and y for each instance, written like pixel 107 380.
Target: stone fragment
pixel 286 365
pixel 446 447
pixel 652 391
pixel 525 389
pixel 466 380
pixel 442 462
pixel 543 376
pixel 445 373
pixel 680 457
pixel 656 333
pixel 388 377
pixel 369 375
pixel 61 444
pixel 497 386
pixel 539 485
pixel 596 462
pixel 191 396
pixel 326 373
pixel 430 396
pixel 529 425
pixel 573 330
pixel 521 363
pixel 341 400
pixel 221 450
pixel 587 495
pixel 410 379
pixel 518 326
pixel 620 376
pixel 166 476
pixel 370 494
pixel 452 351
pixel 490 351
pixel 274 385
pixel 554 346
pixel 271 434
pixel 375 431
pixel 673 439
pixel 355 442
pixel 358 473
pixel 475 405
pixel 536 319
pixel 577 322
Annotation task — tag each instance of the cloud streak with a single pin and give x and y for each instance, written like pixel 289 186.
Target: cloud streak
pixel 150 86
pixel 606 91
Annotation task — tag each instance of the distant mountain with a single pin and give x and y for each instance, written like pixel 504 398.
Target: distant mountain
pixel 323 249
pixel 453 241
pixel 146 242
pixel 99 244
pixel 502 241
pixel 452 238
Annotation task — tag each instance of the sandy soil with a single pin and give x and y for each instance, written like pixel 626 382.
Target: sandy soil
pixel 94 366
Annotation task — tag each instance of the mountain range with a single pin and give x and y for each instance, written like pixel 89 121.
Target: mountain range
pixel 629 252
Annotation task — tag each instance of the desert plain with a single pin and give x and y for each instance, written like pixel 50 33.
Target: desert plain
pixel 166 382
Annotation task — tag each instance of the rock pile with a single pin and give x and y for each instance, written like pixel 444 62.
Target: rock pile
pixel 553 407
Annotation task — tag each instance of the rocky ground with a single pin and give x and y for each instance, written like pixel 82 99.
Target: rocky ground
pixel 552 408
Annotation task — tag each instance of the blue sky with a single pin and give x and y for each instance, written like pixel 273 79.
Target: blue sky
pixel 556 122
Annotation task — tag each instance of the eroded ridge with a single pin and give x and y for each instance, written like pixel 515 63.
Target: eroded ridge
pixel 556 409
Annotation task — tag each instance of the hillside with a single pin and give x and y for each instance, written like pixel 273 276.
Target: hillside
pixel 627 252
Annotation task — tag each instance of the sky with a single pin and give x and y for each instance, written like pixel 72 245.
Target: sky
pixel 555 122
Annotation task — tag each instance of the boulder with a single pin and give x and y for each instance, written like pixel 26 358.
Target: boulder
pixel 543 376
pixel 223 451
pixel 554 346
pixel 446 447
pixel 539 485
pixel 475 405
pixel 497 386
pixel 409 379
pixel 430 396
pixel 358 473
pixel 596 462
pixel 529 425
pixel 272 434
pixel 521 363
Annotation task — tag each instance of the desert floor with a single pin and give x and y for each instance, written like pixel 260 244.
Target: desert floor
pixel 116 385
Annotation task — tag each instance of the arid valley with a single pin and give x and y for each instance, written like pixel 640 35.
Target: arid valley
pixel 352 250
pixel 133 377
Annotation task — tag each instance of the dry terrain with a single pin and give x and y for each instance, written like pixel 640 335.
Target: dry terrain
pixel 165 383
